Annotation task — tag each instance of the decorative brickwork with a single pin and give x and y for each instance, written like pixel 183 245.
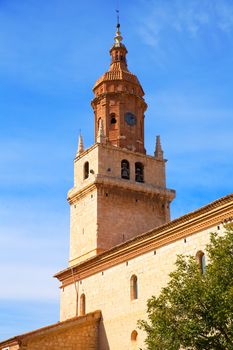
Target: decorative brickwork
pixel 118 102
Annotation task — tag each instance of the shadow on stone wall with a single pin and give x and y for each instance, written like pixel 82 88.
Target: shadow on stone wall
pixel 103 341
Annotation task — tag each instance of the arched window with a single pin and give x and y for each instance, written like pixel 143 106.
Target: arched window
pixel 139 172
pixel 82 304
pixel 125 170
pixel 134 336
pixel 133 287
pixel 200 257
pixel 113 118
pixel 86 170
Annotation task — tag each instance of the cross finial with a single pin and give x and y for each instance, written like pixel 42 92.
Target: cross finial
pixel 118 18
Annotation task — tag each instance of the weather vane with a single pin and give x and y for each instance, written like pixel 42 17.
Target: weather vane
pixel 117 11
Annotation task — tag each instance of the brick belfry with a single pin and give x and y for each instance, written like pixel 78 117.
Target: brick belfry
pixel 119 191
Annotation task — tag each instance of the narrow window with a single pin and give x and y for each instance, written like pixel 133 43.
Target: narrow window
pixel 86 170
pixel 99 121
pixel 139 172
pixel 82 305
pixel 125 173
pixel 133 287
pixel 134 336
pixel 113 118
pixel 200 257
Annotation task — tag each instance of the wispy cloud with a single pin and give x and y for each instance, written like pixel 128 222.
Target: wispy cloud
pixel 224 13
pixel 188 17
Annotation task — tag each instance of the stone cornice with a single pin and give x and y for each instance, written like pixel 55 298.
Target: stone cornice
pixel 113 182
pixel 103 95
pixel 203 218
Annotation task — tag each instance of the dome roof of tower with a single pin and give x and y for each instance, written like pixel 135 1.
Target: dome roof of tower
pixel 118 74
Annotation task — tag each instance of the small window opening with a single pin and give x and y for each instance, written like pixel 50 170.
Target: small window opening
pixel 125 171
pixel 139 172
pixel 134 336
pixel 82 304
pixel 86 170
pixel 113 118
pixel 200 257
pixel 133 287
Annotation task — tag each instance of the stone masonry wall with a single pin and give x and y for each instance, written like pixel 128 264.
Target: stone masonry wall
pixel 109 290
pixel 75 338
pixel 124 214
pixel 78 333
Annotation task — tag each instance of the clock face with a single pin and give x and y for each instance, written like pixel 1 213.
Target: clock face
pixel 130 118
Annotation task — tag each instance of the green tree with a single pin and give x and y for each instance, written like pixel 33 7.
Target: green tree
pixel 195 310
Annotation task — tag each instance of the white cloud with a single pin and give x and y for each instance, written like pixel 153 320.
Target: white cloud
pixel 224 11
pixel 189 17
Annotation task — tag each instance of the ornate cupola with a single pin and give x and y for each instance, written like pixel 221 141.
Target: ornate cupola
pixel 118 52
pixel 118 102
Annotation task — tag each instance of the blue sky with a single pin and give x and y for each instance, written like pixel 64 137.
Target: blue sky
pixel 51 53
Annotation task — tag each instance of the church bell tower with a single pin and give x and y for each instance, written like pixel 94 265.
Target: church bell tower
pixel 119 191
pixel 118 102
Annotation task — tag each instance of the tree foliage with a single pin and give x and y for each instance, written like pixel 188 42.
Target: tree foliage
pixel 195 311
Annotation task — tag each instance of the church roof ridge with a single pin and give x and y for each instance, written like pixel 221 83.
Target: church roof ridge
pixel 91 316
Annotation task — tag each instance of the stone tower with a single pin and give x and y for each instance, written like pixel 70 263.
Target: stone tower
pixel 119 192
